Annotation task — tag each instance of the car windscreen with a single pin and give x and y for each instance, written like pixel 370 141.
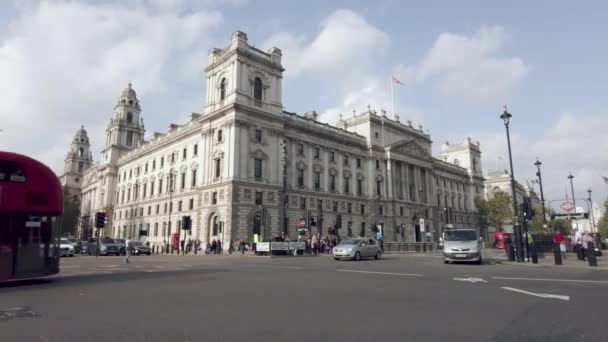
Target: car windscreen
pixel 64 241
pixel 136 244
pixel 461 235
pixel 351 242
pixel 107 240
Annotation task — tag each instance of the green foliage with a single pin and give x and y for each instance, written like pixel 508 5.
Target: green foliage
pixel 536 224
pixel 496 211
pixel 602 224
pixel 561 224
pixel 71 213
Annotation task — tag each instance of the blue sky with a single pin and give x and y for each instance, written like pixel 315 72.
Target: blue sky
pixel 64 63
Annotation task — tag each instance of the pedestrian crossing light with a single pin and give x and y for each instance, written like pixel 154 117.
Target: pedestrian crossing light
pixel 100 219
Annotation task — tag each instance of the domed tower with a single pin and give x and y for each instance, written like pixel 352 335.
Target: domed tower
pixel 78 159
pixel 126 128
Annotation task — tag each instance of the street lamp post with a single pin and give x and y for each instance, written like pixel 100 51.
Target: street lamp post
pixel 506 117
pixel 542 195
pixel 570 177
pixel 591 210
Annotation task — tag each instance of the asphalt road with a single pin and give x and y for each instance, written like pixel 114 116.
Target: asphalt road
pixel 247 298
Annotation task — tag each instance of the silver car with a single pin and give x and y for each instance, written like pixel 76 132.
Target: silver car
pixel 461 245
pixel 356 249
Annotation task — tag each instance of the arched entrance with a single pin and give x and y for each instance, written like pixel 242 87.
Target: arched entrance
pixel 215 228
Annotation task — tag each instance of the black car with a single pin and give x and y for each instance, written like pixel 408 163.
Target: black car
pixel 138 248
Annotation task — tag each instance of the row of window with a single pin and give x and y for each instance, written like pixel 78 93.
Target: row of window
pixel 258 88
pixel 172 158
pixel 168 207
pixel 125 194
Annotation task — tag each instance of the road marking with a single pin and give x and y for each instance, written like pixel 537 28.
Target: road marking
pixel 541 295
pixel 556 280
pixel 472 280
pixel 384 273
pixel 108 266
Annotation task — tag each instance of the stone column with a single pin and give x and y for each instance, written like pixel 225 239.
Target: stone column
pixel 389 179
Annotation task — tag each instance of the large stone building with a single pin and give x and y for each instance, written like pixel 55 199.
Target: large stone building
pixel 248 167
pixel 78 159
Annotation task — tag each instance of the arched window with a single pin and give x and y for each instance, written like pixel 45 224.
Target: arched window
pixel 257 89
pixel 80 152
pixel 129 117
pixel 223 89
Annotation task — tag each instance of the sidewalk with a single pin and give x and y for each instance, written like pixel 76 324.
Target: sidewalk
pixel 499 256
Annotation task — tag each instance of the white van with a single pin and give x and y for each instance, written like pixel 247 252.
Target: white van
pixel 461 245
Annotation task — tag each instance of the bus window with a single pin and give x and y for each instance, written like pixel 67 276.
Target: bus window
pixel 11 171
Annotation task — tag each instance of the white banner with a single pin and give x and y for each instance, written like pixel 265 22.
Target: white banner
pixel 262 247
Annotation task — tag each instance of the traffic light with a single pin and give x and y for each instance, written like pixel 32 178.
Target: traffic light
pixel 100 219
pixel 186 222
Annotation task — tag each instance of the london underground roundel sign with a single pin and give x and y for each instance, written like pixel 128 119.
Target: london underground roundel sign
pixel 567 206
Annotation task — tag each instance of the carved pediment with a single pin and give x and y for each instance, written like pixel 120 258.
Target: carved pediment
pixel 194 166
pixel 360 176
pixel 346 173
pixel 411 148
pixel 184 168
pixel 218 154
pixel 317 168
pixel 379 178
pixel 333 171
pixel 259 154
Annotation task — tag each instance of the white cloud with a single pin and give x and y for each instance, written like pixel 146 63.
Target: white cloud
pixel 574 143
pixel 468 67
pixel 64 63
pixel 346 44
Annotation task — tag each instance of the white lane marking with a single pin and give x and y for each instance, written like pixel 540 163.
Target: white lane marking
pixel 555 280
pixel 384 273
pixel 541 295
pixel 108 266
pixel 472 280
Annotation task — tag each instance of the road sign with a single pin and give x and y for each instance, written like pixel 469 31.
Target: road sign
pixel 567 206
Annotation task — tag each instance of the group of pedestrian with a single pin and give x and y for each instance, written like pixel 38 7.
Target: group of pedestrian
pixel 215 247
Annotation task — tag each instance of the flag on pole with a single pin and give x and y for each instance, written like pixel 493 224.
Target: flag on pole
pixel 396 81
pixel 605 179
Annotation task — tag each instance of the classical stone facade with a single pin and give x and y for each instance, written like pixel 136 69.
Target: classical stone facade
pixel 248 167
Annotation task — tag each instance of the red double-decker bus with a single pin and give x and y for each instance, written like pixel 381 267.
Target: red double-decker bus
pixel 31 199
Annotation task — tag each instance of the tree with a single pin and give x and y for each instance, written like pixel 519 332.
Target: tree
pixel 602 225
pixel 496 211
pixel 71 213
pixel 563 225
pixel 482 209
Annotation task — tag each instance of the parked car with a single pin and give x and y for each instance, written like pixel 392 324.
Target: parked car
pixel 122 242
pixel 138 248
pixel 106 246
pixel 461 245
pixel 75 242
pixel 357 249
pixel 66 248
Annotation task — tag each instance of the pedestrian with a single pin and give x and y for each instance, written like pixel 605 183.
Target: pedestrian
pixel 578 240
pixel 559 241
pixel 214 247
pixel 126 260
pixel 219 247
pixel 588 246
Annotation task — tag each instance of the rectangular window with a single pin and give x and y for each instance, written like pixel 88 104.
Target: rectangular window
pixel 191 204
pixel 258 135
pixel 151 188
pixel 300 149
pixel 380 210
pixel 317 153
pixel 379 188
pixel 257 168
pixel 179 206
pixel 120 215
pixel 400 211
pixel 359 187
pixel 158 208
pixel 143 194
pixel 358 162
pixel 146 168
pixel 80 166
pixel 346 185
pixel 332 183
pixel 214 198
pixel 362 232
pixel 172 158
pixel 377 164
pixel 162 161
pixel 302 202
pixel 165 208
pixel 141 211
pixel 130 173
pixel 154 165
pixel 259 197
pixel 300 178
pixel 362 209
pixel 335 206
pixel 332 156
pixel 183 180
pixel 149 210
pixel 349 208
pixel 129 138
pixel 317 176
pixel 219 135
pixel 160 186
pixel 170 207
pixel 193 178
pixel 196 149
pixel 346 160
pixel 320 204
pixel 184 153
pixel 217 168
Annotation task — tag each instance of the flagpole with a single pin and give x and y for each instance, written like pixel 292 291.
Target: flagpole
pixel 392 95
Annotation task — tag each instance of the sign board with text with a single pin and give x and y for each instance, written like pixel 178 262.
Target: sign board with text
pixel 262 247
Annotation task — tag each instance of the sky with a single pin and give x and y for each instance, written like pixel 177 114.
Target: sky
pixel 64 63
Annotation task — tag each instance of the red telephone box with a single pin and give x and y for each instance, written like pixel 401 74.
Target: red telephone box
pixel 175 242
